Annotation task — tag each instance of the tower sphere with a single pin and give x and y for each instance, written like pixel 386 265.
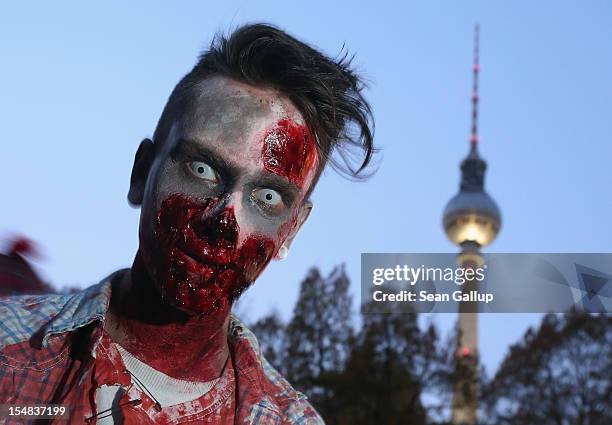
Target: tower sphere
pixel 471 216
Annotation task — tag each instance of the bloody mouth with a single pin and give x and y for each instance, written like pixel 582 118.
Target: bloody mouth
pixel 197 262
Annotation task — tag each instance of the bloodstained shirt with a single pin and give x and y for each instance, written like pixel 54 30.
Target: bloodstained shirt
pixel 137 404
pixel 48 349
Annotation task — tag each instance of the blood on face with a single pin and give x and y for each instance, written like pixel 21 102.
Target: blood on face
pixel 199 265
pixel 289 150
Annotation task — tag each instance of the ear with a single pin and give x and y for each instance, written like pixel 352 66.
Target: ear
pixel 140 170
pixel 303 215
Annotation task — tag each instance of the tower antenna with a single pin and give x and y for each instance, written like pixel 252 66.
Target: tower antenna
pixel 475 96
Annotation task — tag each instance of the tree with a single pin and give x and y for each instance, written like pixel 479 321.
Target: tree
pixel 320 329
pixel 391 363
pixel 559 374
pixel 376 377
pixel 319 336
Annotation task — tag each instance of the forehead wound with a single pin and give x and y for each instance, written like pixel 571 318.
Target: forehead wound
pixel 289 150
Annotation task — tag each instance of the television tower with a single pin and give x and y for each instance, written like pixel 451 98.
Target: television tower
pixel 471 221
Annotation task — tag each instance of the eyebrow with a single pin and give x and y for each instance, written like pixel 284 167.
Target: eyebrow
pixel 186 147
pixel 276 181
pixel 191 148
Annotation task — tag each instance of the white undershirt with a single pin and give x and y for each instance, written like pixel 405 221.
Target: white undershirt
pixel 167 390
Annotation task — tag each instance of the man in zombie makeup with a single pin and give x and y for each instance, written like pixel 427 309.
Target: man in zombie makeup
pixel 223 189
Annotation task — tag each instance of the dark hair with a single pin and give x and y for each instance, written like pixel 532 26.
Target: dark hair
pixel 327 92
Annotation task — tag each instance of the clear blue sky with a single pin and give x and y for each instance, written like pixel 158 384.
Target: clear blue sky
pixel 82 84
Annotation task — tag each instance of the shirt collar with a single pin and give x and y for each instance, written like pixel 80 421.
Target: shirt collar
pixel 81 309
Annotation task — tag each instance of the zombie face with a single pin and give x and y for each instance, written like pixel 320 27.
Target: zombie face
pixel 222 193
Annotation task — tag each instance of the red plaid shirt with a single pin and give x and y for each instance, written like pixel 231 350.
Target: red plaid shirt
pixel 47 346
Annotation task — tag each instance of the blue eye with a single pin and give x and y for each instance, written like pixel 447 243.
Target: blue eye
pixel 202 171
pixel 268 197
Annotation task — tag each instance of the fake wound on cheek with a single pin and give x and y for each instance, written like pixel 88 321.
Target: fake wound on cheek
pixel 198 261
pixel 289 150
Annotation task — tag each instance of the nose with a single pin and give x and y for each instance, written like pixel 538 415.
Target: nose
pixel 218 224
pixel 221 226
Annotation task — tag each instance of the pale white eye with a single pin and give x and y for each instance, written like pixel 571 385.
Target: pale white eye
pixel 268 196
pixel 202 171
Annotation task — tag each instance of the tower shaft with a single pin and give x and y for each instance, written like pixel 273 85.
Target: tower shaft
pixel 466 388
